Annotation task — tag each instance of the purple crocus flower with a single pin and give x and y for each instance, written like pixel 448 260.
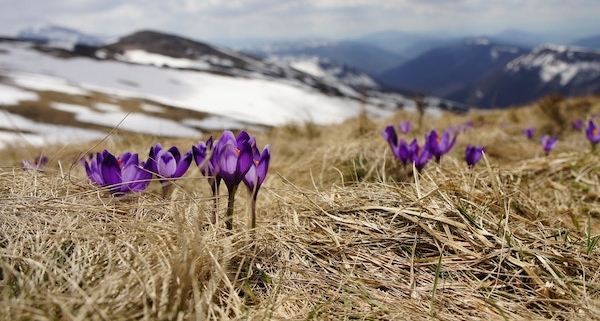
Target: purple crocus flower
pixel 258 170
pixel 421 157
pixel 38 164
pixel 207 163
pixel 473 154
pixel 405 127
pixel 234 157
pixel 406 151
pixel 389 134
pixel 256 175
pixel 168 165
pixel 233 160
pixel 438 146
pixel 548 143
pixel 467 125
pixel 400 148
pixel 592 133
pixel 577 124
pixel 529 132
pixel 202 154
pixel 119 174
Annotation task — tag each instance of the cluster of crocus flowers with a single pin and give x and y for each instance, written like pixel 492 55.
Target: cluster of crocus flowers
pixel 435 146
pixel 546 141
pixel 233 160
pixel 229 159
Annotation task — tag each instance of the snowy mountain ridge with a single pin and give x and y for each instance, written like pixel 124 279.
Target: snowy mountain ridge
pixel 565 63
pixel 59 37
pixel 546 69
pixel 326 70
pixel 170 51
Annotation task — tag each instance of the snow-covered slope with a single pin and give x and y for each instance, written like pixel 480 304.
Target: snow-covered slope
pixel 259 101
pixel 171 51
pixel 327 70
pixel 233 102
pixel 165 85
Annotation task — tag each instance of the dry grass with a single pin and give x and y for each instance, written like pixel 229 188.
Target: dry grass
pixel 343 232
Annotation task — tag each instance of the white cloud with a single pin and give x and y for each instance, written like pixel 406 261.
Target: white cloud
pixel 216 19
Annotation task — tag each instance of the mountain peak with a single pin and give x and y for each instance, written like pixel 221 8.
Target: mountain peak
pixel 58 36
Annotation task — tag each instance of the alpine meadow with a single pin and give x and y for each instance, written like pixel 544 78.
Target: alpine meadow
pixel 505 226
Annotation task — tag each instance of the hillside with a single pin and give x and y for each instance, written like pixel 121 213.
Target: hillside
pixel 181 91
pixel 344 231
pixel 548 69
pixel 592 42
pixel 450 68
pixel 367 58
pixel 385 67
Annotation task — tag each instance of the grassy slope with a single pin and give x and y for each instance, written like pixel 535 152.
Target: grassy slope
pixel 343 231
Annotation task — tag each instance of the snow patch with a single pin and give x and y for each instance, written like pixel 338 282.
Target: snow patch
pixel 39 133
pixel 310 66
pixel 143 57
pixel 38 81
pixel 152 108
pixel 258 101
pixel 70 108
pixel 215 123
pixel 139 123
pixel 108 108
pixel 132 122
pixel 10 95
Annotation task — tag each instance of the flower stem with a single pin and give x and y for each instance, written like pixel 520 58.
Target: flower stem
pixel 230 202
pixel 253 211
pixel 215 191
pixel 166 189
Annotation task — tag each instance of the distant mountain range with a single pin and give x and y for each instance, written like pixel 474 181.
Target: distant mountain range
pixel 547 69
pixel 329 78
pixel 487 74
pixel 365 57
pixel 59 36
pixel 451 68
pixel 478 71
pixel 589 42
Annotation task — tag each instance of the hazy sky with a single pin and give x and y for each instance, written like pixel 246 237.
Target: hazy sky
pixel 224 20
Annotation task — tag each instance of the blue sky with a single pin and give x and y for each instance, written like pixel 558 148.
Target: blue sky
pixel 225 20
